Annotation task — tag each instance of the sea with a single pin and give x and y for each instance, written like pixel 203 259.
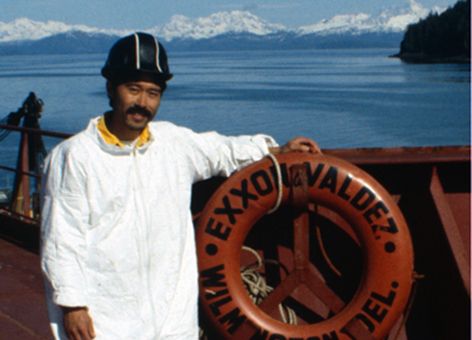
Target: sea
pixel 342 98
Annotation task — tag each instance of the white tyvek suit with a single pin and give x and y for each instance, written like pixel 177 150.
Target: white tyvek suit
pixel 117 234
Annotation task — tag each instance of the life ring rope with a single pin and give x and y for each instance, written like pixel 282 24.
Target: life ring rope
pixel 258 289
pixel 278 176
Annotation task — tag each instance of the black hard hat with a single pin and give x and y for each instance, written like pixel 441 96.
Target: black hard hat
pixel 134 55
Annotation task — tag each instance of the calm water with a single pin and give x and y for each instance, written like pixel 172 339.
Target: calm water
pixel 341 98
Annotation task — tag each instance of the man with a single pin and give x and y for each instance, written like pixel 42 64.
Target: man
pixel 118 248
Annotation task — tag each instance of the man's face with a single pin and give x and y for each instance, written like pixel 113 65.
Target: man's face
pixel 135 104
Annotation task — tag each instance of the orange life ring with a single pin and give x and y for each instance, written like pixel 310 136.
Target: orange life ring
pixel 376 220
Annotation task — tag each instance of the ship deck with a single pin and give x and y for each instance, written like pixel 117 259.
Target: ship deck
pixel 23 313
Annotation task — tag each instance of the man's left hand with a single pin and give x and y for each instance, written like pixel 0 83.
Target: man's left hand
pixel 300 144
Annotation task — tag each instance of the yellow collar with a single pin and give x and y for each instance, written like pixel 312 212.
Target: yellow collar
pixel 110 138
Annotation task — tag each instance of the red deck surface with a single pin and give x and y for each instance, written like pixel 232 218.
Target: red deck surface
pixel 23 314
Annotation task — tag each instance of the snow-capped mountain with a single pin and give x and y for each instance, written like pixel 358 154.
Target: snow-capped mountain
pixel 226 22
pixel 26 29
pixel 179 27
pixel 391 20
pixel 215 24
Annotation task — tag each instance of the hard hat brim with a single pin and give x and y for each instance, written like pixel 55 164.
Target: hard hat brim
pixel 120 75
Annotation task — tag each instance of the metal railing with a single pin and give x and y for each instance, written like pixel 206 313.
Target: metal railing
pixel 24 198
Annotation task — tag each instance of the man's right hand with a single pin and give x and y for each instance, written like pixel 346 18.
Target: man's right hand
pixel 78 323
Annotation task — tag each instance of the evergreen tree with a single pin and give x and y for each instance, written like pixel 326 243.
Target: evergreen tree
pixel 444 37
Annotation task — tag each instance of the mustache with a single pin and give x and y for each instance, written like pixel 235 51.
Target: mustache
pixel 140 110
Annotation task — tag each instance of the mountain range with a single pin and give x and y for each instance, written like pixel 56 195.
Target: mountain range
pixel 223 30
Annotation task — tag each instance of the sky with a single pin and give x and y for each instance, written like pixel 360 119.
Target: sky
pixel 141 14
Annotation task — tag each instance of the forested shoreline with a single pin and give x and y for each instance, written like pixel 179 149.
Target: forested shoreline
pixel 439 38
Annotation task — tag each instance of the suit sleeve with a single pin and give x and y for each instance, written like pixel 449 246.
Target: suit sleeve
pixel 64 218
pixel 211 154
